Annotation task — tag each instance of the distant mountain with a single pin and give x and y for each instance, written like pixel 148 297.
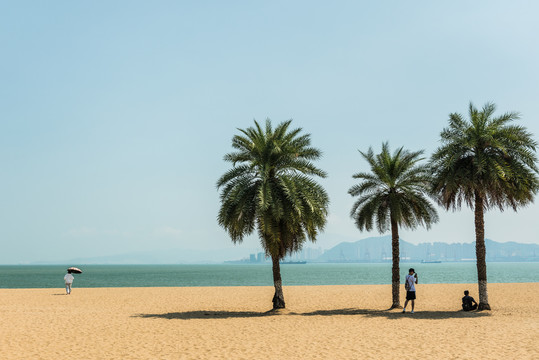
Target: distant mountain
pixel 378 249
pixel 373 249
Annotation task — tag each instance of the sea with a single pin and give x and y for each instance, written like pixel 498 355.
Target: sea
pixel 51 276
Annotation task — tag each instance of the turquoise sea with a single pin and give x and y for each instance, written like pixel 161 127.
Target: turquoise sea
pixel 51 276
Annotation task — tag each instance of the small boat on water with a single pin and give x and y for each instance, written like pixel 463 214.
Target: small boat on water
pixel 430 261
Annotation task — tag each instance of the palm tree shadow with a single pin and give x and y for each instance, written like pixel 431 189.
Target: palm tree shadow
pixel 204 314
pixel 392 315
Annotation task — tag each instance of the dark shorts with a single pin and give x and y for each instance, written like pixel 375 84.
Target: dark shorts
pixel 469 307
pixel 410 295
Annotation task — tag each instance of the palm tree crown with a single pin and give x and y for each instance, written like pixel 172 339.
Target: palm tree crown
pixel 396 188
pixel 488 156
pixel 270 187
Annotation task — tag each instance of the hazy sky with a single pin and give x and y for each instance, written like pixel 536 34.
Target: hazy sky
pixel 115 115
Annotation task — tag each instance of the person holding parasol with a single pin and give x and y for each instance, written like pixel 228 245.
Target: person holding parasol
pixel 68 278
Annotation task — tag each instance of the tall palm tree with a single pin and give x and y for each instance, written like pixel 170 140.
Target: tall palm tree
pixel 271 188
pixel 484 162
pixel 392 195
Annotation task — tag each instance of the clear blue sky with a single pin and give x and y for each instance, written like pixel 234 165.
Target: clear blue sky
pixel 115 115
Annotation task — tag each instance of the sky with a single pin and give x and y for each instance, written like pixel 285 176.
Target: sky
pixel 115 116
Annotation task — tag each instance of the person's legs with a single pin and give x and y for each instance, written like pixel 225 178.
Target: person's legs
pixel 68 288
pixel 413 303
pixel 405 303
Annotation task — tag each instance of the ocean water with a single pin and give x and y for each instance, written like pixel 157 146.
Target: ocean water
pixel 51 276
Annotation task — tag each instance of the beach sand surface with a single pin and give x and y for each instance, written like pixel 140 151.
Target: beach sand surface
pixel 320 322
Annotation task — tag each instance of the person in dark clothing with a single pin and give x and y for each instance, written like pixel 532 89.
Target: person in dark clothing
pixel 468 302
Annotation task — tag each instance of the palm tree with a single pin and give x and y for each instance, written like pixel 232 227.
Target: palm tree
pixel 393 195
pixel 485 162
pixel 270 188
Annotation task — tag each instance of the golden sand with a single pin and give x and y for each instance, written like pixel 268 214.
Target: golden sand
pixel 320 322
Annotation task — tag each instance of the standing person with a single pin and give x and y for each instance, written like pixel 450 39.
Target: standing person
pixel 68 278
pixel 409 285
pixel 468 302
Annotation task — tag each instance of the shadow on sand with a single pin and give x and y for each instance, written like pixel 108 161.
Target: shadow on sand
pixel 187 315
pixel 392 315
pixel 397 314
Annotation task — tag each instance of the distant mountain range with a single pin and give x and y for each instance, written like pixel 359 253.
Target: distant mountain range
pixel 378 249
pixel 373 249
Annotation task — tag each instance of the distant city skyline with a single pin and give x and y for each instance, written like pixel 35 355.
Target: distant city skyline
pixel 370 249
pixel 115 116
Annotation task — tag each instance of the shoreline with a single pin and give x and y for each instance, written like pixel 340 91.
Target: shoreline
pixel 470 285
pixel 323 322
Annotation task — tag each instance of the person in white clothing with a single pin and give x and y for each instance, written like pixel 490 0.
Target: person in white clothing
pixel 68 278
pixel 409 285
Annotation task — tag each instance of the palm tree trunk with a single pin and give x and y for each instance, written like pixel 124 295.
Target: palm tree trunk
pixel 480 253
pixel 395 281
pixel 278 298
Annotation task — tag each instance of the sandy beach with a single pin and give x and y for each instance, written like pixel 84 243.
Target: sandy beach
pixel 320 322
